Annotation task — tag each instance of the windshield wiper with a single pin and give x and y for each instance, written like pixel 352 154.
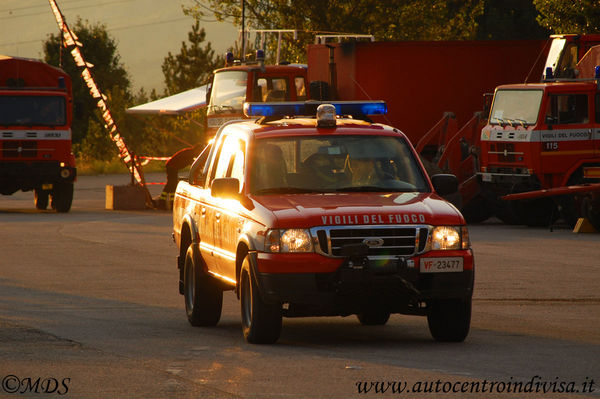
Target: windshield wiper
pixel 287 190
pixel 370 189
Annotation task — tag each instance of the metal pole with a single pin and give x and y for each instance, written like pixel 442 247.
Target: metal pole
pixel 243 57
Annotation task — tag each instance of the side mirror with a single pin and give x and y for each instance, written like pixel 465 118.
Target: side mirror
pixel 226 187
pixel 445 184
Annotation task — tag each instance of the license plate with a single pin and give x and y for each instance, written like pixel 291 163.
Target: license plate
pixel 441 265
pixel 46 186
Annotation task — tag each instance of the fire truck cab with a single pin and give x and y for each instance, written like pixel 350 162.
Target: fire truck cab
pixel 35 132
pixel 238 83
pixel 542 136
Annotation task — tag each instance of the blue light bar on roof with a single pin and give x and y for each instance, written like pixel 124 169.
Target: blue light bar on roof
pixel 357 109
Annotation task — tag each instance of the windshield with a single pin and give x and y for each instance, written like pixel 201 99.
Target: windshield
pixel 334 164
pixel 554 53
pixel 516 107
pixel 32 111
pixel 228 92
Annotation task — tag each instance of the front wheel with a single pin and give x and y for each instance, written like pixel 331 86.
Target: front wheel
pixel 261 322
pixel 450 319
pixel 62 197
pixel 203 298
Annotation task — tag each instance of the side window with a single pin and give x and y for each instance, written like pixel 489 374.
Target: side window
pixel 270 89
pixel 278 90
pixel 231 159
pixel 568 61
pixel 300 88
pixel 567 109
pixel 236 165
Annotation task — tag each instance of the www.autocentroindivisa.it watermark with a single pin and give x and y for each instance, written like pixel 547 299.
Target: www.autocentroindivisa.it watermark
pixel 534 385
pixel 13 384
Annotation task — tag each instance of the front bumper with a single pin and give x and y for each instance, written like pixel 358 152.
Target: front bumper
pixel 397 288
pixel 27 176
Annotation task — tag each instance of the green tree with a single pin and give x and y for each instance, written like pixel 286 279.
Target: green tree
pixel 510 20
pixel 568 16
pixel 194 64
pixel 100 50
pixel 190 68
pixel 386 20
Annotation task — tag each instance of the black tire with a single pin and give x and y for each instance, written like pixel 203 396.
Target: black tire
pixel 203 298
pixel 41 198
pixel 450 319
pixel 590 209
pixel 373 317
pixel 261 322
pixel 62 197
pixel 537 213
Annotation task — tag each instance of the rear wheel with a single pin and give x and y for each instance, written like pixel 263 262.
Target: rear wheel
pixel 62 197
pixel 373 317
pixel 450 319
pixel 537 213
pixel 203 298
pixel 261 322
pixel 41 198
pixel 590 209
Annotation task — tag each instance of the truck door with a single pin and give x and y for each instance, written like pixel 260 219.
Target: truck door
pixel 225 212
pixel 568 114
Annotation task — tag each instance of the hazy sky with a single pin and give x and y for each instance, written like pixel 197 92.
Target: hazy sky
pixel 145 30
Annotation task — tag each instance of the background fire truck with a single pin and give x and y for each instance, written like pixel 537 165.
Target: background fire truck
pixel 542 140
pixel 35 132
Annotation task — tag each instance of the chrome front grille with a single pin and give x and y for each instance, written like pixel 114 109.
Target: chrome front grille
pixel 384 242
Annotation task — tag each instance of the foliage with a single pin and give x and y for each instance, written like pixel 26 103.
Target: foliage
pixel 386 20
pixel 509 20
pixel 194 64
pixel 190 68
pixel 101 51
pixel 568 16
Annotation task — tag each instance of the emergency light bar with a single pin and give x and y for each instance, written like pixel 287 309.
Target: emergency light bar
pixel 357 109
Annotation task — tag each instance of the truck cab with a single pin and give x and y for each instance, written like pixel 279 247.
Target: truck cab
pixel 540 136
pixel 324 214
pixel 234 85
pixel 35 132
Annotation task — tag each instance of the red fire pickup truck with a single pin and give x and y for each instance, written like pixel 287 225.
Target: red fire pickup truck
pixel 325 216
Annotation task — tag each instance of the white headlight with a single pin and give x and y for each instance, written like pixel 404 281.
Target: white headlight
pixel 290 240
pixel 296 240
pixel 445 237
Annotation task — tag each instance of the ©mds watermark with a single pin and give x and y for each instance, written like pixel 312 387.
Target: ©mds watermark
pixel 13 384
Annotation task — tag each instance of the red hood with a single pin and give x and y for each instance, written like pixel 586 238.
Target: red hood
pixel 308 210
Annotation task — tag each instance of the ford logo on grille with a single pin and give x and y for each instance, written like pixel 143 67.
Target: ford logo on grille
pixel 373 242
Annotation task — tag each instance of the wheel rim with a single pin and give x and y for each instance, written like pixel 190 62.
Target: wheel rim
pixel 246 301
